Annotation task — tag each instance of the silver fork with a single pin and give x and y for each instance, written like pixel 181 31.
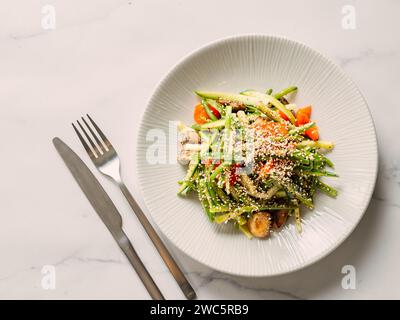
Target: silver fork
pixel 106 160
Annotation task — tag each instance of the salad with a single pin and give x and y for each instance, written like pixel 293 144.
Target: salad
pixel 253 159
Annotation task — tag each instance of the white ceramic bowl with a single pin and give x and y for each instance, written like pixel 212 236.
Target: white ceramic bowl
pixel 260 62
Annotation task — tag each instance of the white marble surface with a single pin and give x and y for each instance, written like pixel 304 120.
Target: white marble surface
pixel 105 57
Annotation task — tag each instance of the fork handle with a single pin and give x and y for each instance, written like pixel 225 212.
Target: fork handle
pixel 139 267
pixel 161 248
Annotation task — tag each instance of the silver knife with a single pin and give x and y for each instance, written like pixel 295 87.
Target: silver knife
pixel 107 211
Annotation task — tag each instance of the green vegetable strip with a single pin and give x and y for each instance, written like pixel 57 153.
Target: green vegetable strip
pixel 241 220
pixel 247 90
pixel 270 113
pixel 215 95
pixel 248 209
pixel 328 162
pixel 308 158
pixel 301 157
pixel 255 111
pixel 252 190
pixel 222 195
pixel 219 209
pixel 228 118
pixel 242 196
pixel 320 173
pixel 280 194
pixel 228 143
pixel 212 193
pixel 210 125
pixel 330 191
pixel 269 92
pixel 247 100
pixel 208 110
pixel 268 183
pixel 204 201
pixel 284 92
pixel 218 170
pixel 215 105
pixel 193 164
pixel 235 195
pixel 210 201
pixel 265 98
pixel 196 127
pixel 301 129
pixel 297 216
pixel 222 218
pixel 246 231
pixel 277 207
pixel 207 194
pixel 315 144
pixel 292 189
pixel 232 215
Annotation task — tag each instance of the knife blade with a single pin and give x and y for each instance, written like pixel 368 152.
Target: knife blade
pixel 106 210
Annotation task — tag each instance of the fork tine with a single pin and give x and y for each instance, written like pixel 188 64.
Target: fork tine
pixel 101 134
pixel 94 136
pixel 89 139
pixel 85 145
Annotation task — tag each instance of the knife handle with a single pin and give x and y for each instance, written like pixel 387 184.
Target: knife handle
pixel 139 267
pixel 161 248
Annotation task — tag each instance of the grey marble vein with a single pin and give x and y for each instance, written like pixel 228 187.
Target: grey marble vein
pixel 215 276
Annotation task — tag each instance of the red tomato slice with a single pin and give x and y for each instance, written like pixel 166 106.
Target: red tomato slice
pixel 200 115
pixel 283 116
pixel 303 115
pixel 214 111
pixel 234 176
pixel 312 133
